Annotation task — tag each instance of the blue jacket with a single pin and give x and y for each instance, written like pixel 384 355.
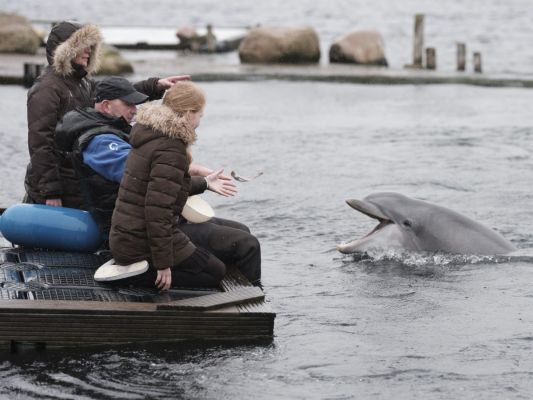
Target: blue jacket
pixel 106 154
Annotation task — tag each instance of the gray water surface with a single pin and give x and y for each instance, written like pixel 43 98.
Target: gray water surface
pixel 394 325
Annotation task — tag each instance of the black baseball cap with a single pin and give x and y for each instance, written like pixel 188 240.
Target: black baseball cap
pixel 116 87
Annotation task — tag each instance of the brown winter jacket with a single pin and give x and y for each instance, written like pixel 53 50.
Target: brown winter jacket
pixel 60 89
pixel 153 191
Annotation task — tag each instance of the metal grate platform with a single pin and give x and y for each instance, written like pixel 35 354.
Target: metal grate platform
pixel 72 294
pixel 74 277
pixel 62 259
pixel 10 273
pixel 50 275
pixel 10 294
pixel 36 275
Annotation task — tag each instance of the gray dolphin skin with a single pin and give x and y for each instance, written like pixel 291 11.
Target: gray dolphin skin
pixel 416 225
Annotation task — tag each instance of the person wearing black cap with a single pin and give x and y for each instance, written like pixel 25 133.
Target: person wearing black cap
pixel 117 88
pixel 96 140
pixel 73 54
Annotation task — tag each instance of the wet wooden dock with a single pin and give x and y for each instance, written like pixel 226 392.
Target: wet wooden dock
pixel 47 305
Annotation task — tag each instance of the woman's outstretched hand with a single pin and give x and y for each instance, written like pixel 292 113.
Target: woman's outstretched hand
pixel 217 183
pixel 164 279
pixel 200 170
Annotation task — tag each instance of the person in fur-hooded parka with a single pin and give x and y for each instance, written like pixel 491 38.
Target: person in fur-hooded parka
pixel 73 54
pixel 72 51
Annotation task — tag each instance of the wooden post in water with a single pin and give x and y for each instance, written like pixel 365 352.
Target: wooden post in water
pixel 419 40
pixel 211 40
pixel 461 56
pixel 431 58
pixel 477 62
pixel 31 72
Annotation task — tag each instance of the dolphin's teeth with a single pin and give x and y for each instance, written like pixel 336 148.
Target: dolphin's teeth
pixel 382 223
pixel 348 247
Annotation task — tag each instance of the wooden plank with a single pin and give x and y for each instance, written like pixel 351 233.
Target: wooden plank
pixel 77 342
pixel 24 324
pixel 130 334
pixel 212 301
pixel 159 319
pixel 64 326
pixel 55 330
pixel 64 331
pixel 234 279
pixel 82 339
pixel 60 343
pixel 86 306
pixel 46 320
pixel 255 307
pixel 96 326
pixel 158 315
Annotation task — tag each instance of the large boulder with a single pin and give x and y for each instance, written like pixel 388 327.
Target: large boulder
pixel 359 47
pixel 112 62
pixel 280 45
pixel 17 35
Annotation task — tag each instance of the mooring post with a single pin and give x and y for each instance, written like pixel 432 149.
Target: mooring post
pixel 31 72
pixel 38 70
pixel 477 62
pixel 211 40
pixel 431 58
pixel 419 40
pixel 461 56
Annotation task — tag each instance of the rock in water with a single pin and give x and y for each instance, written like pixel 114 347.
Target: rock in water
pixel 359 47
pixel 289 45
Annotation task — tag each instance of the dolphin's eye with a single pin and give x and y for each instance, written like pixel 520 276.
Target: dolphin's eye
pixel 407 223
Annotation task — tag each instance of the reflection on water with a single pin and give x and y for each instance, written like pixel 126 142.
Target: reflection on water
pixel 389 325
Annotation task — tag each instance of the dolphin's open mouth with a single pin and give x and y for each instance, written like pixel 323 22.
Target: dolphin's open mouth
pixel 373 212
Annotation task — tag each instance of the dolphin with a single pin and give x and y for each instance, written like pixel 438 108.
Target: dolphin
pixel 416 225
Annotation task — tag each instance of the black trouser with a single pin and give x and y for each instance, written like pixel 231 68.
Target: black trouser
pixel 200 269
pixel 218 242
pixel 230 241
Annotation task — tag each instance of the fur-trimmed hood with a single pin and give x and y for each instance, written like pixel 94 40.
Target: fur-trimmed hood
pixel 162 119
pixel 67 40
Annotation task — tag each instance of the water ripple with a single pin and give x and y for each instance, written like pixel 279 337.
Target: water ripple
pixel 381 325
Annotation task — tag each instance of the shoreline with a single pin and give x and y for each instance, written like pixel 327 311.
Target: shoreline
pixel 226 68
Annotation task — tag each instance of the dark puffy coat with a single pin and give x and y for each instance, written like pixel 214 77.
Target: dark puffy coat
pixel 62 87
pixel 153 191
pixel 58 90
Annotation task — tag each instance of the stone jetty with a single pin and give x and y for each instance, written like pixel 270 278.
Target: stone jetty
pixel 228 68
